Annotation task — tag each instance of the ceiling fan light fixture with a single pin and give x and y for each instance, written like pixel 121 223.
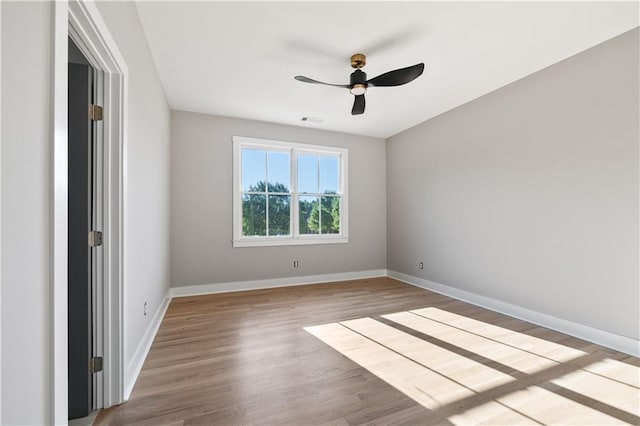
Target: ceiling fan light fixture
pixel 358 82
pixel 358 89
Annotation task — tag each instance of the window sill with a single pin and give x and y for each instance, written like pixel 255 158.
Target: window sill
pixel 260 242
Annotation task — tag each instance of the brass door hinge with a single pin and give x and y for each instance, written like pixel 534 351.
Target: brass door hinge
pixel 95 112
pixel 95 238
pixel 96 364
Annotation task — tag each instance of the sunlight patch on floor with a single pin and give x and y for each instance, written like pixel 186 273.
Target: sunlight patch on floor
pixel 616 370
pixel 616 394
pixel 524 342
pixel 426 387
pixel 537 405
pixel 437 376
pixel 462 370
pixel 515 358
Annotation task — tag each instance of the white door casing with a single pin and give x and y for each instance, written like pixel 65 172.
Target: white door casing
pixel 82 22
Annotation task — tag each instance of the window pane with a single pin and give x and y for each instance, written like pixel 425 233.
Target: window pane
pixel 307 206
pixel 308 174
pixel 328 175
pixel 279 215
pixel 278 171
pixel 253 170
pixel 331 224
pixel 330 218
pixel 254 215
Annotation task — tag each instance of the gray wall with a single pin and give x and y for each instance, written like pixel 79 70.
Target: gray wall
pixel 529 194
pixel 201 205
pixel 26 168
pixel 27 193
pixel 147 175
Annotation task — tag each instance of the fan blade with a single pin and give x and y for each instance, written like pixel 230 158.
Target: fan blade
pixel 310 80
pixel 397 77
pixel 358 105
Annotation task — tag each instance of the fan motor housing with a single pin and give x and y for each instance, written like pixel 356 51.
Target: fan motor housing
pixel 358 77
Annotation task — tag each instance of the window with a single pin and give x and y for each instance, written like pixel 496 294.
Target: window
pixel 288 193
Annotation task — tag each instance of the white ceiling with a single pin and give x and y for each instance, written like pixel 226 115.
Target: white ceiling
pixel 238 59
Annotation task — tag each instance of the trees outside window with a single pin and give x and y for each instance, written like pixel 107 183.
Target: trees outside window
pixel 286 193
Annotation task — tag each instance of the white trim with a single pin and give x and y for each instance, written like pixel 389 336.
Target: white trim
pixel 82 21
pixel 594 335
pixel 98 258
pixel 91 35
pixel 59 380
pixel 260 143
pixel 137 360
pixel 0 218
pixel 289 241
pixel 195 290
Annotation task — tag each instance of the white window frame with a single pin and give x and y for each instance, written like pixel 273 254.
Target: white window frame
pixel 294 149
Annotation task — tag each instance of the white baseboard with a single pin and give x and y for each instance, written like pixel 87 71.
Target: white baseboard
pixel 135 365
pixel 594 335
pixel 195 290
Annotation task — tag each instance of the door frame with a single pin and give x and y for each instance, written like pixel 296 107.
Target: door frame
pixel 82 21
pixel 0 216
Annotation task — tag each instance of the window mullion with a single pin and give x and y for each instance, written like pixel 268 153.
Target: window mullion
pixel 341 190
pixel 266 190
pixel 295 214
pixel 319 199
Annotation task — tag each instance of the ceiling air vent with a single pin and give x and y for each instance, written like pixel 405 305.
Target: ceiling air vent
pixel 311 119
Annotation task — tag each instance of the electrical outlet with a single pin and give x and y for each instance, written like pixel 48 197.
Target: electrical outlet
pixel 295 263
pixel 421 265
pixel 146 308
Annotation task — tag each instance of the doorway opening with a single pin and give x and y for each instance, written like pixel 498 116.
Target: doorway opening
pixel 84 237
pixel 80 22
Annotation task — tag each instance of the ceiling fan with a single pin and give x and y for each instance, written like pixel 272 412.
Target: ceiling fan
pixel 359 83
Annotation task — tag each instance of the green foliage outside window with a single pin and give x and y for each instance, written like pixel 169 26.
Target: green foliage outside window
pixel 254 208
pixel 325 216
pixel 315 217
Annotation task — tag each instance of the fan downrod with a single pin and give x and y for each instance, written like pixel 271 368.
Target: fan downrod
pixel 358 60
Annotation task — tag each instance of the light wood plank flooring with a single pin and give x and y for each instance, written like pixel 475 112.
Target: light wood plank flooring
pixel 371 351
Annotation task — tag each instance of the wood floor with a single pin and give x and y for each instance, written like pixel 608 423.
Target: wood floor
pixel 371 351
